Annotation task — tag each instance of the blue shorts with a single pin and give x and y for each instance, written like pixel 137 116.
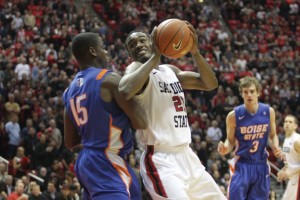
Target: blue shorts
pixel 105 175
pixel 250 181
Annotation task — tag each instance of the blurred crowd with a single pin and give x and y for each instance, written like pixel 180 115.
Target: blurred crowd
pixel 36 66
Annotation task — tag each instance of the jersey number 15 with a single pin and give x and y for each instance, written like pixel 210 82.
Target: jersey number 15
pixel 79 112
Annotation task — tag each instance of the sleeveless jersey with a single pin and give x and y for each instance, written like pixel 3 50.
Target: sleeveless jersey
pixel 292 156
pixel 252 132
pixel 164 102
pixel 101 125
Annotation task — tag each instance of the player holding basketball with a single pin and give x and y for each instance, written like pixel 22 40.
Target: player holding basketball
pixel 94 116
pixel 249 126
pixel 291 150
pixel 169 167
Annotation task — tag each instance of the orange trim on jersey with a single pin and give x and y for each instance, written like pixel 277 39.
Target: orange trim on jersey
pixel 122 170
pixel 101 74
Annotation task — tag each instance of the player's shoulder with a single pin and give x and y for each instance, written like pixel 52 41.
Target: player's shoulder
pixel 297 143
pixel 175 69
pixel 111 80
pixel 231 116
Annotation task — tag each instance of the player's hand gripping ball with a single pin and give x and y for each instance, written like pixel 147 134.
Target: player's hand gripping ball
pixel 174 38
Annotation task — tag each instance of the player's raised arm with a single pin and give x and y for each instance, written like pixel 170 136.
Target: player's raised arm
pixel 205 79
pixel 142 49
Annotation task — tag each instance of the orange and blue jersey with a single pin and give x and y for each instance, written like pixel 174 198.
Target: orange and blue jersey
pixel 106 137
pixel 101 125
pixel 252 132
pixel 251 173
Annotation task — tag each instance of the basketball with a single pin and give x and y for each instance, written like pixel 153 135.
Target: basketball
pixel 173 38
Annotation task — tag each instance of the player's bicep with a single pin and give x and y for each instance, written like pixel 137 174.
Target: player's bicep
pixel 189 80
pixel 71 136
pixel 297 145
pixel 230 127
pixel 272 123
pixel 133 110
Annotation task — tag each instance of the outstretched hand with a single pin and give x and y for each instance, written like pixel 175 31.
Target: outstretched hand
pixel 194 48
pixel 222 149
pixel 155 49
pixel 278 153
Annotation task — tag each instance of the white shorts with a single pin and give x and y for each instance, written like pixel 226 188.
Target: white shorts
pixel 177 174
pixel 292 189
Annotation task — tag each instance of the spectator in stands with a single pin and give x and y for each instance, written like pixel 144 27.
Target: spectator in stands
pixel 6 186
pixel 55 135
pixel 22 69
pixel 20 163
pixel 4 138
pixel 44 152
pixel 19 193
pixel 11 107
pixel 214 132
pixel 3 170
pixel 35 193
pixel 12 128
pixel 51 192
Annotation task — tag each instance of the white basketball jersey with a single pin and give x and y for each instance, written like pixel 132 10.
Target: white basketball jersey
pixel 292 157
pixel 164 102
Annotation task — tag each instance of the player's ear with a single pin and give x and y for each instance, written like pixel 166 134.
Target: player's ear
pixel 92 51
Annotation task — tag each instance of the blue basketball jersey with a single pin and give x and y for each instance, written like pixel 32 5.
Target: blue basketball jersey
pixel 252 132
pixel 101 125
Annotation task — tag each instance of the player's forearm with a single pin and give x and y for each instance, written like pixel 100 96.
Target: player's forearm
pixel 274 142
pixel 292 171
pixel 132 82
pixel 229 146
pixel 207 74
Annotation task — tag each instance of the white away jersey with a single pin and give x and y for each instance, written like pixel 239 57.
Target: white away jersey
pixel 164 102
pixel 292 157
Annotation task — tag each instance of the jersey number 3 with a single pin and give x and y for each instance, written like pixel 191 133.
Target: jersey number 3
pixel 79 112
pixel 254 146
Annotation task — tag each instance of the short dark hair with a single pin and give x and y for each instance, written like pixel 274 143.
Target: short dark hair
pixel 132 32
pixel 294 117
pixel 82 42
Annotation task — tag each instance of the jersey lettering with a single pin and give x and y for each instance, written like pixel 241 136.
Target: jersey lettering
pixel 79 112
pixel 174 88
pixel 181 121
pixel 254 128
pixel 164 87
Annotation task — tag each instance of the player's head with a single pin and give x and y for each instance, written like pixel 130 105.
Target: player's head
pixel 88 49
pixel 290 124
pixel 138 45
pixel 249 88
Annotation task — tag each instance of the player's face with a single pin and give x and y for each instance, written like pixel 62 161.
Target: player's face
pixel 289 125
pixel 139 47
pixel 250 94
pixel 103 56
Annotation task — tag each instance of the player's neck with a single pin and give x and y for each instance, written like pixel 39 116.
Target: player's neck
pixel 288 134
pixel 251 108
